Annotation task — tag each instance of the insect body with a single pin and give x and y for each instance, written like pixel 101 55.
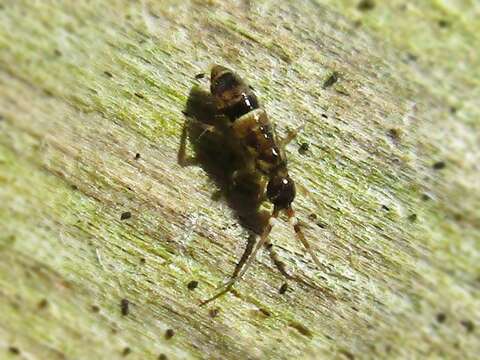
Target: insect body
pixel 253 139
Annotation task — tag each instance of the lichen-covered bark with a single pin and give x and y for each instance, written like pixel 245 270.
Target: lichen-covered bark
pixel 388 188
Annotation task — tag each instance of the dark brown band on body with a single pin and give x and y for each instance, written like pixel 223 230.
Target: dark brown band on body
pixel 247 103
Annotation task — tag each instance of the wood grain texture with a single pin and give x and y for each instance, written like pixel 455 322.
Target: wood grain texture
pixel 389 188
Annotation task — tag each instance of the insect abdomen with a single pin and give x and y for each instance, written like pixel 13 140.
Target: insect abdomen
pixel 250 123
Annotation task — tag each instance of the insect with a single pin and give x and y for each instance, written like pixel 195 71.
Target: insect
pixel 261 155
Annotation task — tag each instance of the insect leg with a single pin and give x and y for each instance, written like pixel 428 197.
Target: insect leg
pixel 280 265
pixel 248 261
pixel 182 158
pixel 292 134
pixel 298 231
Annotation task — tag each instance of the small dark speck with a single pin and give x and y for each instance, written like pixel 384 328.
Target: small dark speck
pixel 366 5
pixel 43 304
pixel 137 156
pixel 303 148
pixel 322 225
pixel 439 165
pixel 443 23
pixel 426 197
pixel 126 215
pixel 140 96
pixel 126 351
pixel 412 217
pixel 394 134
pixel 441 317
pixel 169 334
pixel 74 187
pixel 199 76
pixel 301 329
pixel 385 207
pixel 214 312
pixel 143 261
pixel 312 216
pixel 283 289
pixel 14 350
pixel 453 110
pixel 325 116
pixel 95 308
pixel 185 113
pixel 192 285
pixel 332 79
pixel 468 325
pixel 47 92
pixel 412 57
pixel 265 312
pixel 162 357
pixel 125 307
pixel 108 73
pixel 347 354
pixel 57 52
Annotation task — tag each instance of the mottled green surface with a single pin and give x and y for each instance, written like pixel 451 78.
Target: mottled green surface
pixel 85 87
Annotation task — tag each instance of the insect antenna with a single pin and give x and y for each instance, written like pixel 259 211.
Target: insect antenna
pixel 249 261
pixel 300 235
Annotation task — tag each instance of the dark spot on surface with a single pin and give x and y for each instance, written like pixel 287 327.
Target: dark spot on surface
pixel 394 135
pixel 126 215
pixel 365 5
pixel 125 307
pixel 303 148
pixel 14 350
pixel 441 317
pixel 412 217
pixel 108 74
pixel 385 207
pixel 468 325
pixel 283 289
pixel 312 217
pixel 439 165
pixel 453 110
pixel 47 92
pixel 74 187
pixel 143 261
pixel 57 52
pixel 199 76
pixel 347 354
pixel 95 308
pixel 140 96
pixel 332 79
pixel 126 351
pixel 443 23
pixel 137 156
pixel 325 116
pixel 192 285
pixel 301 329
pixel 265 312
pixel 412 57
pixel 169 334
pixel 162 357
pixel 426 197
pixel 43 304
pixel 322 225
pixel 213 312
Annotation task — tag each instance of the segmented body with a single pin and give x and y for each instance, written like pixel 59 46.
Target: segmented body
pixel 256 140
pixel 252 137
